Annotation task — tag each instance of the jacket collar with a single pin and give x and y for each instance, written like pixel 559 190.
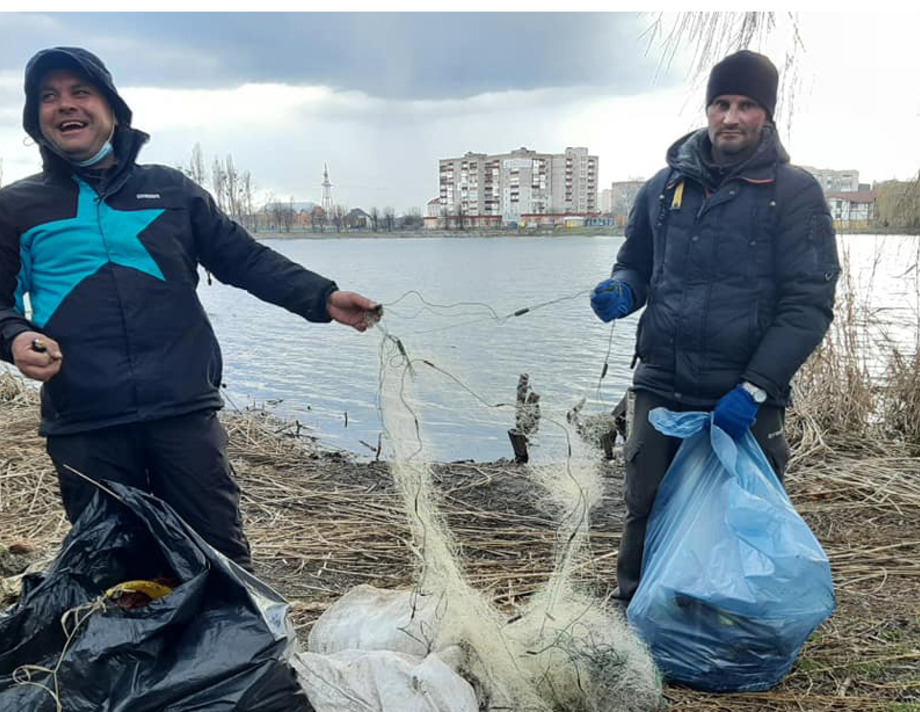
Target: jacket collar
pixel 127 142
pixel 691 156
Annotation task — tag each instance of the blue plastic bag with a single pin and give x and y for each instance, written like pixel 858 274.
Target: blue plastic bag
pixel 733 580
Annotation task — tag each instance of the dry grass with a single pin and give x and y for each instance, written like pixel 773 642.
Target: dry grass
pixel 321 523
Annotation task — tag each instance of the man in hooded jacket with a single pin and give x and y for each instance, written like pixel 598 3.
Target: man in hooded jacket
pixel 732 252
pixel 107 251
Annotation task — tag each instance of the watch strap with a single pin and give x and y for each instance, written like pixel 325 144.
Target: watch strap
pixel 758 394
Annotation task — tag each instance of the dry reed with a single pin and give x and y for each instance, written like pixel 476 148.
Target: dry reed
pixel 320 522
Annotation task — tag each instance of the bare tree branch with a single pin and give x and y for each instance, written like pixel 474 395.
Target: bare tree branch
pixel 713 35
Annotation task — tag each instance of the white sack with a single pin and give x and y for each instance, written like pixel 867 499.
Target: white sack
pixel 382 681
pixel 368 618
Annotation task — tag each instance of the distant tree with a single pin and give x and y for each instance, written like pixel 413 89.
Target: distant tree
pixel 268 212
pixel 196 169
pixel 219 184
pixel 355 219
pixel 338 216
pixel 461 212
pixel 232 188
pixel 898 204
pixel 413 220
pixel 389 218
pixel 713 35
pixel 375 218
pixel 318 219
pixel 278 212
pixel 445 216
pixel 288 214
pixel 246 191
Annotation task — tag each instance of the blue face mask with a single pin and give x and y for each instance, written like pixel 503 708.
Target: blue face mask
pixel 102 153
pixel 106 149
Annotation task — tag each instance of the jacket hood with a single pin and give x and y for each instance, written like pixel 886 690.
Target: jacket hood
pixel 692 156
pixel 81 61
pixel 127 140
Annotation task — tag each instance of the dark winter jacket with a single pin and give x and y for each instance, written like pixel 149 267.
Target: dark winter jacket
pixel 110 266
pixel 737 272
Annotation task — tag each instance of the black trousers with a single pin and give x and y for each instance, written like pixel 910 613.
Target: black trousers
pixel 648 455
pixel 182 460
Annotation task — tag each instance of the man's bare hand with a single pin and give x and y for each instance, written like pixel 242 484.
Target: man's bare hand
pixel 37 356
pixel 354 310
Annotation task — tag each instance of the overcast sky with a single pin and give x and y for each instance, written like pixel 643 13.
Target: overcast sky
pixel 381 97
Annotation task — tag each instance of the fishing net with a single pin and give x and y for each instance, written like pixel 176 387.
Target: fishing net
pixel 566 649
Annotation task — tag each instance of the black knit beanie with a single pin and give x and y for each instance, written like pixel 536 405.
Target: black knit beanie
pixel 746 73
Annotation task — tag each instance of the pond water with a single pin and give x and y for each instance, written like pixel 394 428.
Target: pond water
pixel 327 376
pixel 449 301
pixel 318 373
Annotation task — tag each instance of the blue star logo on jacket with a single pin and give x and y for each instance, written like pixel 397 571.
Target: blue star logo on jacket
pixel 57 256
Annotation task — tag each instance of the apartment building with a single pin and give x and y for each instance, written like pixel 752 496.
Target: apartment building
pixel 605 196
pixel 622 196
pixel 835 181
pixel 518 183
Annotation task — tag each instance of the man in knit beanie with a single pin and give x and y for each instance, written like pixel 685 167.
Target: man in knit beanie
pixel 731 250
pixel 740 100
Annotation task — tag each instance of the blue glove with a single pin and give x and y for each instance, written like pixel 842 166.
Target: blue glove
pixel 611 299
pixel 735 412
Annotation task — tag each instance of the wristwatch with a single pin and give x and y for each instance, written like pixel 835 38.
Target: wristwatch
pixel 758 394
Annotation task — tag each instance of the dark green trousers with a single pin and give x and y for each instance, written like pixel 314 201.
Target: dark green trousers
pixel 648 455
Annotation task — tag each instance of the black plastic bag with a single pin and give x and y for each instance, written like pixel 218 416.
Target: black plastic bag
pixel 218 642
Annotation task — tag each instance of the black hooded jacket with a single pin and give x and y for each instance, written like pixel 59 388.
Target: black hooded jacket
pixel 737 272
pixel 110 267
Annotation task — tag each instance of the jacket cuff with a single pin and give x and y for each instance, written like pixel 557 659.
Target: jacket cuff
pixel 320 314
pixel 774 392
pixel 9 335
pixel 638 289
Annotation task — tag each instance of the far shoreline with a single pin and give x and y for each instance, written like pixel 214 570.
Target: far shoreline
pixel 370 234
pixel 599 231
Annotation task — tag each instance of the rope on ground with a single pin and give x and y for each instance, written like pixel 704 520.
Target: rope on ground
pixel 71 621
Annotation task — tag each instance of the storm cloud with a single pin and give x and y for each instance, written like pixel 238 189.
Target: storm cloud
pixel 387 55
pixel 380 97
